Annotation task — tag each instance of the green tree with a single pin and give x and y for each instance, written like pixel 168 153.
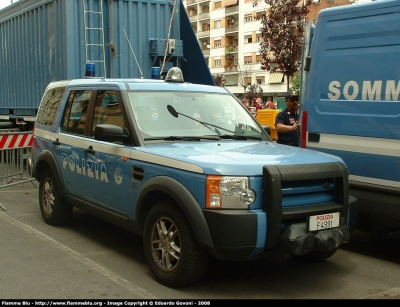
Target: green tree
pixel 295 84
pixel 219 80
pixel 282 31
pixel 253 91
pixel 245 73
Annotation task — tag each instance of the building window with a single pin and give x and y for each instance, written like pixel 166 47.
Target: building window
pixel 248 18
pixel 259 38
pixel 217 23
pixel 230 21
pixel 260 80
pixel 205 9
pixel 217 63
pixel 248 39
pixel 217 44
pixel 259 59
pixel 248 60
pixel 247 80
pixel 218 5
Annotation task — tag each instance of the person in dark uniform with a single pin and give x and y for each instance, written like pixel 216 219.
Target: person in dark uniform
pixel 286 122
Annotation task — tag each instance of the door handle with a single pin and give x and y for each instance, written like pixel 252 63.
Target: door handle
pixel 89 150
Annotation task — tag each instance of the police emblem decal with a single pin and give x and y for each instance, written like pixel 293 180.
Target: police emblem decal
pixel 118 175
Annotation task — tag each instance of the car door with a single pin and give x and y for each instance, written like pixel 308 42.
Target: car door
pixel 97 172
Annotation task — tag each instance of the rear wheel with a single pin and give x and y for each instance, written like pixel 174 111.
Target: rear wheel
pixel 55 211
pixel 29 167
pixel 171 251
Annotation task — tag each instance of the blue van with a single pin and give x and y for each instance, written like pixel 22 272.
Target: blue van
pixel 350 92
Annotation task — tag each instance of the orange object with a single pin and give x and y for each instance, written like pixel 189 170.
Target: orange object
pixel 267 117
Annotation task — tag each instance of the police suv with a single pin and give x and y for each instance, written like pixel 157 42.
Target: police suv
pixel 187 167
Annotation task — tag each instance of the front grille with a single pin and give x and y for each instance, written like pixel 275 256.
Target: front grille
pixel 305 192
pixel 294 192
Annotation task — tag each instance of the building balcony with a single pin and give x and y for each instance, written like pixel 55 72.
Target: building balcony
pixel 204 15
pixel 231 68
pixel 206 52
pixel 189 2
pixel 230 49
pixel 231 9
pixel 203 33
pixel 229 29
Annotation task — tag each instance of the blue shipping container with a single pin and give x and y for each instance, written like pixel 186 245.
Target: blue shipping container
pixel 50 40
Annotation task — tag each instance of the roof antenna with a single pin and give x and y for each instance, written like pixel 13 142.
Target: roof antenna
pixel 141 73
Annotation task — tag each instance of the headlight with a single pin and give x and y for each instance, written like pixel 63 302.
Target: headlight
pixel 226 192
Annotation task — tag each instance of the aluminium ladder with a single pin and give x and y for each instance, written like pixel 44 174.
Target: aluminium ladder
pixel 94 36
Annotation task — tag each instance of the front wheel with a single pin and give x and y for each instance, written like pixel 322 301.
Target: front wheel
pixel 171 251
pixel 55 211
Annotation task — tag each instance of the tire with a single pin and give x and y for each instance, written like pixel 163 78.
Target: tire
pixel 55 211
pixel 314 257
pixel 29 167
pixel 171 251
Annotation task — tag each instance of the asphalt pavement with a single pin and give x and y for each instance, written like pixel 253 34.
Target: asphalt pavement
pixel 90 259
pixel 45 268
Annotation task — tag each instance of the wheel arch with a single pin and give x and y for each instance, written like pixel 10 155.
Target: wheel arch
pixel 162 187
pixel 44 161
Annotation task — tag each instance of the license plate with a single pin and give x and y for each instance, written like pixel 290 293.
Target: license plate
pixel 324 221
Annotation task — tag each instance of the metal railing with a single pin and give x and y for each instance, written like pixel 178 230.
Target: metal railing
pixel 16 165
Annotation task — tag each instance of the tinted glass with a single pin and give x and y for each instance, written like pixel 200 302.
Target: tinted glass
pixel 49 106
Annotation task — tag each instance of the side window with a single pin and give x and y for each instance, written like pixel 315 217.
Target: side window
pixel 107 110
pixel 49 106
pixel 75 113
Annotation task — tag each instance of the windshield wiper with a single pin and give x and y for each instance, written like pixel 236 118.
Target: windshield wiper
pixel 183 138
pixel 240 137
pixel 174 113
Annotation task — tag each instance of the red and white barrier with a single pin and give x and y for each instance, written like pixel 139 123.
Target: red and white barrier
pixel 16 140
pixel 15 158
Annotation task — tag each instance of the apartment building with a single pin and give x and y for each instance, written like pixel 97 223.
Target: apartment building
pixel 229 35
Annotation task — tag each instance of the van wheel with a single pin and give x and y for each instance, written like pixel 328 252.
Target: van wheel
pixel 316 256
pixel 55 211
pixel 171 251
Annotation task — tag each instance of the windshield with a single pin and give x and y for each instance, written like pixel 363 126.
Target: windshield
pixel 192 114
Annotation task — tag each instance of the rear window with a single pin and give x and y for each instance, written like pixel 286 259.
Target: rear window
pixel 49 105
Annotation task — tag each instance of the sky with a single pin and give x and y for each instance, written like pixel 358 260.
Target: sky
pixel 4 3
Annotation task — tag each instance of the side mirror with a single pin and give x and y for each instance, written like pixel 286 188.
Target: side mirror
pixel 110 133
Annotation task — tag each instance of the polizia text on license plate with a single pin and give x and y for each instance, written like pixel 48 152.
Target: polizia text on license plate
pixel 324 221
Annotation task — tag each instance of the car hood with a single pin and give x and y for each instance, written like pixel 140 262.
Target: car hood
pixel 238 157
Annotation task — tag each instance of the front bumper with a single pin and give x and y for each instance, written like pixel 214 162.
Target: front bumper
pixel 241 235
pixel 300 242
